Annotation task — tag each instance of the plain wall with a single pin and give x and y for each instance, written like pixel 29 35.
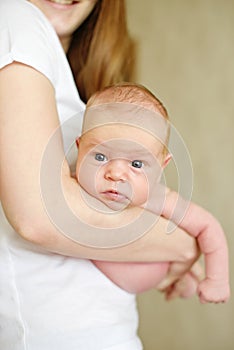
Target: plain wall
pixel 186 57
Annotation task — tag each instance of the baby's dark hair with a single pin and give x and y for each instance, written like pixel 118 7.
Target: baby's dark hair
pixel 129 93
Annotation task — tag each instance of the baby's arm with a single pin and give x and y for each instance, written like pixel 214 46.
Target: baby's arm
pixel 212 242
pixel 174 278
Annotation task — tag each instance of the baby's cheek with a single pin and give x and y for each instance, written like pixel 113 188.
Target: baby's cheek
pixel 86 177
pixel 140 192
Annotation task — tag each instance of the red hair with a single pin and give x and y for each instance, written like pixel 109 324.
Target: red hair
pixel 101 52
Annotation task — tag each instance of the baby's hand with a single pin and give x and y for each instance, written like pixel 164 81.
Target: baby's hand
pixel 212 291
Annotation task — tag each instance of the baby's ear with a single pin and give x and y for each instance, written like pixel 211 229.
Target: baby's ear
pixel 77 142
pixel 166 160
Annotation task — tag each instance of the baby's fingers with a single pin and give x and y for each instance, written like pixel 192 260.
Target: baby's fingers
pixel 211 291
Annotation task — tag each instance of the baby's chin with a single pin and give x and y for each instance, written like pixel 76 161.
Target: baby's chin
pixel 115 205
pixel 101 204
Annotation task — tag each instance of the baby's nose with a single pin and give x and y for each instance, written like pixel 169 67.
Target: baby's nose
pixel 117 170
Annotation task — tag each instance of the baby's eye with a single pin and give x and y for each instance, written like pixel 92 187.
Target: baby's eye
pixel 100 157
pixel 137 163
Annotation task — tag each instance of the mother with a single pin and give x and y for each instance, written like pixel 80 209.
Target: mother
pixel 50 297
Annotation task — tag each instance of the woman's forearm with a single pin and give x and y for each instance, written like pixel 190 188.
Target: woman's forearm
pixel 155 245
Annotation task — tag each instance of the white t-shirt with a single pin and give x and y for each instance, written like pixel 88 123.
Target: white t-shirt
pixel 49 301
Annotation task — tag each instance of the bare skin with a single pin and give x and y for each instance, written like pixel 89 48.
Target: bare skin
pixel 23 203
pixel 28 126
pixel 110 156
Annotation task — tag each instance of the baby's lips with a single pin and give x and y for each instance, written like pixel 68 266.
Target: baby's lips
pixel 114 195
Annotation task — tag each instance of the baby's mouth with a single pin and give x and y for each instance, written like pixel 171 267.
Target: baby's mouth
pixel 114 196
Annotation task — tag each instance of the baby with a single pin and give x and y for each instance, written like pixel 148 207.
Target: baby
pixel 122 153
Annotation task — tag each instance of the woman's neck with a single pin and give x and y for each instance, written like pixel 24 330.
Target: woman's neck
pixel 65 42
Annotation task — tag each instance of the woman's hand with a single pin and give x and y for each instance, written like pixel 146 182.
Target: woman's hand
pixel 184 286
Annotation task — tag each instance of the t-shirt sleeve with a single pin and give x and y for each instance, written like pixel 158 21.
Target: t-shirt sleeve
pixel 27 37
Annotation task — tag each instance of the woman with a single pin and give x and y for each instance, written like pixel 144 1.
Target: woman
pixel 49 298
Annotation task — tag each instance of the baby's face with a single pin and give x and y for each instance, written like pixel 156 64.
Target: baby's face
pixel 119 164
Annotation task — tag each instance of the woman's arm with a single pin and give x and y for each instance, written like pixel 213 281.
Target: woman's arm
pixel 28 119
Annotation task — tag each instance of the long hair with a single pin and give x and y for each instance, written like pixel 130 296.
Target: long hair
pixel 101 52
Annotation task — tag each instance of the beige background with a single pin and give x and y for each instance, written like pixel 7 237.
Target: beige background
pixel 186 57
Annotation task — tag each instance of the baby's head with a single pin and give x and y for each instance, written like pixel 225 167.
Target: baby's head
pixel 138 96
pixel 123 147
